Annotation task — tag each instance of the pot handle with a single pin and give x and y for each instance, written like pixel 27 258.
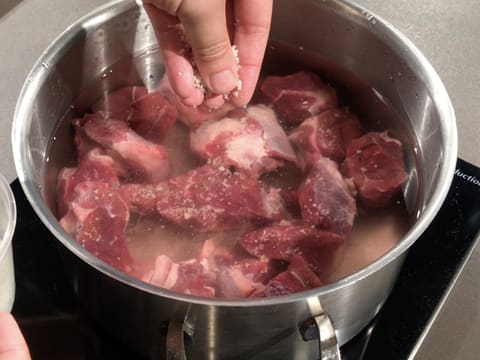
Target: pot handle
pixel 317 327
pixel 320 327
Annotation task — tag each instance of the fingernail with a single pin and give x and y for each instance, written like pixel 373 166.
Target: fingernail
pixel 223 81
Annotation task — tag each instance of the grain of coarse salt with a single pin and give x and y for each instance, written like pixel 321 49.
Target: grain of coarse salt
pixel 199 84
pixel 197 80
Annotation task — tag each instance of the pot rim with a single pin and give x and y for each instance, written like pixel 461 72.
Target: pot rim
pixel 55 51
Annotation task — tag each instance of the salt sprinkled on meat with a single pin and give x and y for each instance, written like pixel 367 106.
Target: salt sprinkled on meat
pixel 94 166
pixel 249 139
pixel 320 249
pixel 375 162
pixel 325 198
pixel 147 161
pixel 141 198
pixel 97 217
pixel 211 197
pixel 254 246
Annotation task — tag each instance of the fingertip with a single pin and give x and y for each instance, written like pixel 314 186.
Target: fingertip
pixel 195 99
pixel 214 102
pixel 180 75
pixel 11 338
pixel 206 30
pixel 239 98
pixel 249 77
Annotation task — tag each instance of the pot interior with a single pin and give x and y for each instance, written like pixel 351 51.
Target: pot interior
pixel 384 78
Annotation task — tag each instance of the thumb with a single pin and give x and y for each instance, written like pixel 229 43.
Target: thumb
pixel 12 343
pixel 205 26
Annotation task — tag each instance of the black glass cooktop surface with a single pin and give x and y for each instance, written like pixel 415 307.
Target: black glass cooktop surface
pixel 56 327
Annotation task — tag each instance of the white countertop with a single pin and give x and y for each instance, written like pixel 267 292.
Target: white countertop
pixel 446 31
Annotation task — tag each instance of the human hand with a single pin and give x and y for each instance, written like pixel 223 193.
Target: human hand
pixel 12 343
pixel 210 28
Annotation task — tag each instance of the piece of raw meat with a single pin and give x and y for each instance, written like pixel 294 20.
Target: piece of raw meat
pixel 118 103
pixel 326 134
pixel 83 143
pixel 190 277
pixel 216 256
pixel 97 218
pixel 375 162
pixel 213 198
pixel 187 277
pixel 283 284
pixel 236 276
pixel 145 160
pixel 300 268
pixel 141 198
pixel 242 278
pixel 298 277
pixel 287 178
pixel 298 96
pixel 94 166
pixel 249 139
pixel 320 249
pixel 191 116
pixel 326 199
pixel 152 117
pixel 166 273
pixel 209 275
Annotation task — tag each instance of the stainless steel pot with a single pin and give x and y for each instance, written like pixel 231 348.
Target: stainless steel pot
pixel 340 33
